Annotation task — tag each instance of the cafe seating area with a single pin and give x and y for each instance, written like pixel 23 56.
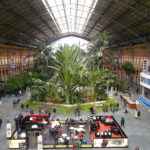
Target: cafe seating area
pixel 96 131
pixel 105 127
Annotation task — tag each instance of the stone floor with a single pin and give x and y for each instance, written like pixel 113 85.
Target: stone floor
pixel 137 130
pixel 8 112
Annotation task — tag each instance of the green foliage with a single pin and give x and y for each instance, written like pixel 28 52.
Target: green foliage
pixel 100 80
pixel 42 62
pixel 35 105
pixel 128 68
pixel 69 70
pixel 122 85
pixel 110 104
pixel 71 78
pixel 14 83
pixel 39 90
pixel 107 104
pixel 94 53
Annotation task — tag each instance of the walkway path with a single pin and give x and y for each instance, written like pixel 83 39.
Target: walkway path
pixel 138 131
pixel 8 112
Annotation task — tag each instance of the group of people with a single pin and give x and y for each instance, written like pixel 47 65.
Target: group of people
pixel 55 130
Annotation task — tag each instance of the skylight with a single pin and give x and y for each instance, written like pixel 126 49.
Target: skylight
pixel 70 15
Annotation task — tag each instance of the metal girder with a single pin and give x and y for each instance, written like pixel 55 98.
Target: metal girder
pixel 37 14
pixel 75 23
pixel 17 15
pixel 140 14
pixel 141 39
pixel 53 16
pixel 65 15
pixel 129 7
pixel 120 16
pixel 20 31
pixel 116 21
pixel 86 22
pixel 67 35
pixel 99 18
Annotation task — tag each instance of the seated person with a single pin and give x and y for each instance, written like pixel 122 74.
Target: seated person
pixel 115 130
pixel 109 120
pixel 97 118
pixel 97 134
pixel 109 134
pixel 93 127
pixel 97 125
pixel 66 141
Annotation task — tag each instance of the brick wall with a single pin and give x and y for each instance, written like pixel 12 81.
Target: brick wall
pixel 14 60
pixel 136 54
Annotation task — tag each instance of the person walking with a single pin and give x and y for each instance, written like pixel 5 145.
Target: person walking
pixel 122 122
pixel 137 148
pixel 139 114
pixel 1 121
pixel 22 106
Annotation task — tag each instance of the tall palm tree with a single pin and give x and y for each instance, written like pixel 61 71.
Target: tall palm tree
pixel 99 80
pixel 95 50
pixel 129 70
pixel 42 61
pixel 69 68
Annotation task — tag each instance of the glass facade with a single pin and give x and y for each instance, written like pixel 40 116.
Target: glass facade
pixel 147 93
pixel 70 15
pixel 146 81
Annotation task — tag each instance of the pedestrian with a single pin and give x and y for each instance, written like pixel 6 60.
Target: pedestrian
pixel 126 111
pixel 49 115
pixel 122 122
pixel 92 110
pixel 1 121
pixel 137 148
pixel 74 147
pixel 27 106
pixel 20 93
pixel 138 113
pixel 22 106
pixel 77 112
pixel 54 110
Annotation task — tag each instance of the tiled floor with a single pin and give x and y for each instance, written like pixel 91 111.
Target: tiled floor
pixel 137 130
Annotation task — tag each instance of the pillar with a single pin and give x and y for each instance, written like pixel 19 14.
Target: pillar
pixel 142 91
pixel 39 142
pixel 8 130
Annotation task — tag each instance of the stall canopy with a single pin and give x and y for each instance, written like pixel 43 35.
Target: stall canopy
pixel 144 101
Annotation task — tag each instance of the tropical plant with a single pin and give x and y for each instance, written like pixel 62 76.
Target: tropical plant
pixel 95 50
pixel 99 81
pixel 71 78
pixel 129 70
pixel 69 70
pixel 39 90
pixel 17 82
pixel 42 61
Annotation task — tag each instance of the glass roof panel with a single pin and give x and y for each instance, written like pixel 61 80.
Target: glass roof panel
pixel 70 15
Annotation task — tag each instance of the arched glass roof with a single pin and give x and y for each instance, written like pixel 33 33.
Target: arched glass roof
pixel 70 15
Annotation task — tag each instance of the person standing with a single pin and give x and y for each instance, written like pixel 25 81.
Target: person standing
pixel 122 122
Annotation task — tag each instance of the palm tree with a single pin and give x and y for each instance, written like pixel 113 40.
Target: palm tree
pixel 42 61
pixel 69 69
pixel 95 50
pixel 129 70
pixel 99 81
